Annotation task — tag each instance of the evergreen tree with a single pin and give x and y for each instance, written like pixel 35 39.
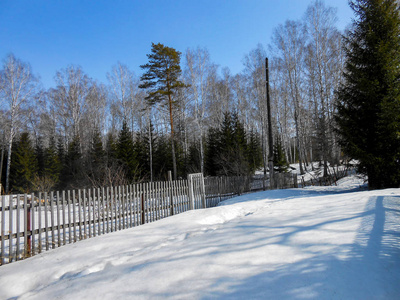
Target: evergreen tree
pixel 193 161
pixel 96 151
pixel 72 170
pixel 161 79
pixel 126 152
pixel 368 115
pixel 40 156
pixel 254 152
pixel 280 161
pixel 162 158
pixel 141 150
pixel 111 149
pixel 227 150
pixel 96 158
pixel 52 163
pixel 24 167
pixel 213 145
pixel 239 153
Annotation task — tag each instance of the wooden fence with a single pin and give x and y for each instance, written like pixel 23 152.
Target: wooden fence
pixel 33 223
pixel 331 179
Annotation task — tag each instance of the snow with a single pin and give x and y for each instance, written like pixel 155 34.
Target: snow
pixel 314 171
pixel 338 242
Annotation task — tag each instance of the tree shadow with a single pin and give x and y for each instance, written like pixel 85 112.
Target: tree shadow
pixel 370 270
pixel 290 194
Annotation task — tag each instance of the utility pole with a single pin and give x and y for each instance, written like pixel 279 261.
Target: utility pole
pixel 270 138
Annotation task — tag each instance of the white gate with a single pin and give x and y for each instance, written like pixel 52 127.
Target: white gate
pixel 197 193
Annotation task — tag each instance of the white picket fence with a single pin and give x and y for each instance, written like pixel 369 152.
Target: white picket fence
pixel 33 223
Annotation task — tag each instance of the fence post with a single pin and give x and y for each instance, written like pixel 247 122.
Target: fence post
pixel 143 210
pixel 171 194
pixel 191 196
pixel 3 227
pixel 27 238
pixel 203 191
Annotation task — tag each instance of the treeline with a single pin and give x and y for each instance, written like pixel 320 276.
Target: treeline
pixel 86 133
pixel 230 150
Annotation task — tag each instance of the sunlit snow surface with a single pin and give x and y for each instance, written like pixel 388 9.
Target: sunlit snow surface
pixel 316 243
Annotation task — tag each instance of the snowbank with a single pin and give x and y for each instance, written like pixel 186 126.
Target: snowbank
pixel 313 243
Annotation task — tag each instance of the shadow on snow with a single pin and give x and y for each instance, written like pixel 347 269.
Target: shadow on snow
pixel 371 270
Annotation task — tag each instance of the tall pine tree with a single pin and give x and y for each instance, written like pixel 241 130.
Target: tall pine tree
pixel 161 79
pixel 368 116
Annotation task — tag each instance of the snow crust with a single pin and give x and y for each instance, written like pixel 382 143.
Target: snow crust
pixel 339 242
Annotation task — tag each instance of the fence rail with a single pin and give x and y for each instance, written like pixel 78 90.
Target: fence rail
pixel 33 223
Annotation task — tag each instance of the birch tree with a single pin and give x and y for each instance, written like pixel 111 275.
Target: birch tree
pixel 289 42
pixel 17 86
pixel 254 64
pixel 69 100
pixel 321 62
pixel 197 69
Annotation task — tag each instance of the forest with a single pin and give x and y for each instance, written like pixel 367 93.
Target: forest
pixel 85 133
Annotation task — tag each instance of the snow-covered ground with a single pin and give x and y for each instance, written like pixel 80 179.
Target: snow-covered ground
pixel 314 243
pixel 314 171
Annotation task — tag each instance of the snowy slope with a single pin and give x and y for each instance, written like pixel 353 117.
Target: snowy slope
pixel 314 243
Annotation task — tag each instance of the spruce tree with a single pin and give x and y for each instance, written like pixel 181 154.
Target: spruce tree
pixel 24 167
pixel 73 166
pixel 227 150
pixel 254 151
pixel 125 151
pixel 368 117
pixel 141 152
pixel 111 149
pixel 162 158
pixel 96 159
pixel 280 161
pixel 212 150
pixel 239 153
pixel 96 151
pixel 194 158
pixel 40 156
pixel 52 163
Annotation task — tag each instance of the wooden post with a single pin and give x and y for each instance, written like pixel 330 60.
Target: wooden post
pixel 191 196
pixel 3 227
pixel 64 220
pixel 27 240
pixel 53 237
pixel 46 221
pixel 171 194
pixel 143 203
pixel 18 219
pixel 28 222
pixel 10 230
pixel 33 222
pixel 86 197
pixel 58 219
pixel 74 214
pixel 203 191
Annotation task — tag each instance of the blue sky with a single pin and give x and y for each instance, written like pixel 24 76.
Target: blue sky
pixel 96 34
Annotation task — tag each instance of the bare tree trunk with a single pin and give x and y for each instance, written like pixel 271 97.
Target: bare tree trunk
pixel 299 148
pixel 10 140
pixel 151 151
pixel 172 136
